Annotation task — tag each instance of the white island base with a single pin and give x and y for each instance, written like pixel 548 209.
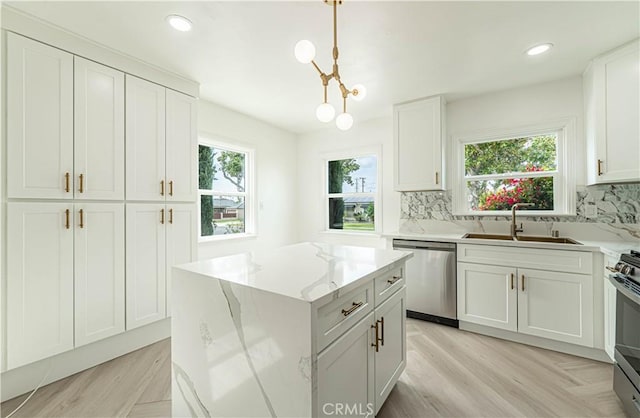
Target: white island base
pixel 307 330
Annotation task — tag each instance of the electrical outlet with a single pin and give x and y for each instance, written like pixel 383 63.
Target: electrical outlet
pixel 590 210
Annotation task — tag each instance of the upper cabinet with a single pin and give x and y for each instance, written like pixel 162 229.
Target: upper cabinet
pixel 39 120
pixel 161 143
pixel 419 137
pixel 612 111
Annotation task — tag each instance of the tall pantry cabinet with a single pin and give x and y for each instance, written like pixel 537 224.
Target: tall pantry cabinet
pixel 70 238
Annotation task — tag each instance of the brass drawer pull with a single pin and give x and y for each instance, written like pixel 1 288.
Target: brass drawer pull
pixel 511 281
pixel 66 216
pixel 376 339
pixel 162 216
pixel 66 182
pixel 171 188
pixel 381 330
pixel 437 180
pixel 600 167
pixel 613 269
pixel 354 306
pixel 395 279
pixel 170 216
pixel 81 188
pixel 81 218
pixel 523 282
pixel 161 187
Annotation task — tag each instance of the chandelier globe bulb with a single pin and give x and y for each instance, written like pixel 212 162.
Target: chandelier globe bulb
pixel 344 121
pixel 362 92
pixel 305 51
pixel 325 112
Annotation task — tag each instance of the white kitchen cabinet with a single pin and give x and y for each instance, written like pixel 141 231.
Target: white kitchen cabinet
pixel 181 240
pixel 39 120
pixel 487 295
pixel 145 139
pixel 612 116
pixel 556 305
pixel 498 288
pixel 346 372
pixel 99 271
pixel 609 318
pixel 98 131
pixel 145 264
pixel 419 138
pixel 39 281
pixel 391 357
pixel 181 147
pixel 161 142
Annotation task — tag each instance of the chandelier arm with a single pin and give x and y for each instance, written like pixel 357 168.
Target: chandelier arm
pixel 317 68
pixel 344 104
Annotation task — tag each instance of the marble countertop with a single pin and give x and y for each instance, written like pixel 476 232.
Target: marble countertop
pixel 307 271
pixel 607 247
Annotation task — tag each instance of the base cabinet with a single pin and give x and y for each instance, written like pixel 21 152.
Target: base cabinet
pixel 557 305
pixel 609 318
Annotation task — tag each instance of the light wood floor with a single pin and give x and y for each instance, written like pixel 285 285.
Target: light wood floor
pixel 450 373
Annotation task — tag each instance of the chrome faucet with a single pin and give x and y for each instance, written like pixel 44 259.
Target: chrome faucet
pixel 514 226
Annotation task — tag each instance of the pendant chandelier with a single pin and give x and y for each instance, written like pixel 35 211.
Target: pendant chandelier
pixel 305 52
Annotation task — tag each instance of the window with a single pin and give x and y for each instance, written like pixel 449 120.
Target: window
pixel 352 193
pixel 499 171
pixel 224 189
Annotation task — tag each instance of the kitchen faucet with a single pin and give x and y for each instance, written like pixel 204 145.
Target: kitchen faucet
pixel 514 227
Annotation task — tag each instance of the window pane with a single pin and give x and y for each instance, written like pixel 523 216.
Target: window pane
pixel 352 213
pixel 220 215
pixel 502 194
pixel 518 155
pixel 353 175
pixel 221 170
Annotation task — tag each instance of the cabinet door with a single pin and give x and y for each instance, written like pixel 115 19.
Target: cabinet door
pixel 99 271
pixel 346 373
pixel 418 145
pixel 182 143
pixel 99 131
pixel 182 240
pixel 145 139
pixel 145 264
pixel 39 120
pixel 39 281
pixel 609 318
pixel 391 358
pixel 487 295
pixel 556 305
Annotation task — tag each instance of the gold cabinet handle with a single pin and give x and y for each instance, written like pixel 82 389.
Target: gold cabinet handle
pixel 170 216
pixel 512 281
pixel 599 167
pixel 81 218
pixel 81 188
pixel 523 282
pixel 376 339
pixel 171 188
pixel 354 306
pixel 395 279
pixel 66 218
pixel 612 269
pixel 437 179
pixel 162 216
pixel 161 187
pixel 381 330
pixel 66 182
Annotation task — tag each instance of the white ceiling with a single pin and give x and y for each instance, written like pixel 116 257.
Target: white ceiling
pixel 241 53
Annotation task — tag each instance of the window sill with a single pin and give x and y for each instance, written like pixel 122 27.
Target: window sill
pixel 226 237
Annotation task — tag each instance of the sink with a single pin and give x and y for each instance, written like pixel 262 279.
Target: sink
pixel 523 238
pixel 555 240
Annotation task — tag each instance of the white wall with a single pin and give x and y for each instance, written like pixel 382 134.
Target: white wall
pixel 275 156
pixel 519 107
pixel 312 149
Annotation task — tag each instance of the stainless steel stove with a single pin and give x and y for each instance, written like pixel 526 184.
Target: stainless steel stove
pixel 626 379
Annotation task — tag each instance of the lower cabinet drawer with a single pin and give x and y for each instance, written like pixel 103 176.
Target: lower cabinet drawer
pixel 337 316
pixel 386 284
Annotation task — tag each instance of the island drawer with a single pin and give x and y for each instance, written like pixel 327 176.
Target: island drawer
pixel 337 316
pixel 387 283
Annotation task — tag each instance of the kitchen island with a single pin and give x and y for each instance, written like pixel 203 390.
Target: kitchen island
pixel 304 330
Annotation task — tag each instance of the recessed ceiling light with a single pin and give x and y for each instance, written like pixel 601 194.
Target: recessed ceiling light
pixel 539 49
pixel 180 23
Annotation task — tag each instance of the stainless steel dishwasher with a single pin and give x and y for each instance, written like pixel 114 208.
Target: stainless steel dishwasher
pixel 431 280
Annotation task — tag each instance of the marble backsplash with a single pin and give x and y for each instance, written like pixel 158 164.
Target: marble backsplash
pixel 617 214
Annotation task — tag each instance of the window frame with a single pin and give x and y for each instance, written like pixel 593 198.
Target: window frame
pixel 373 151
pixel 250 229
pixel 564 179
